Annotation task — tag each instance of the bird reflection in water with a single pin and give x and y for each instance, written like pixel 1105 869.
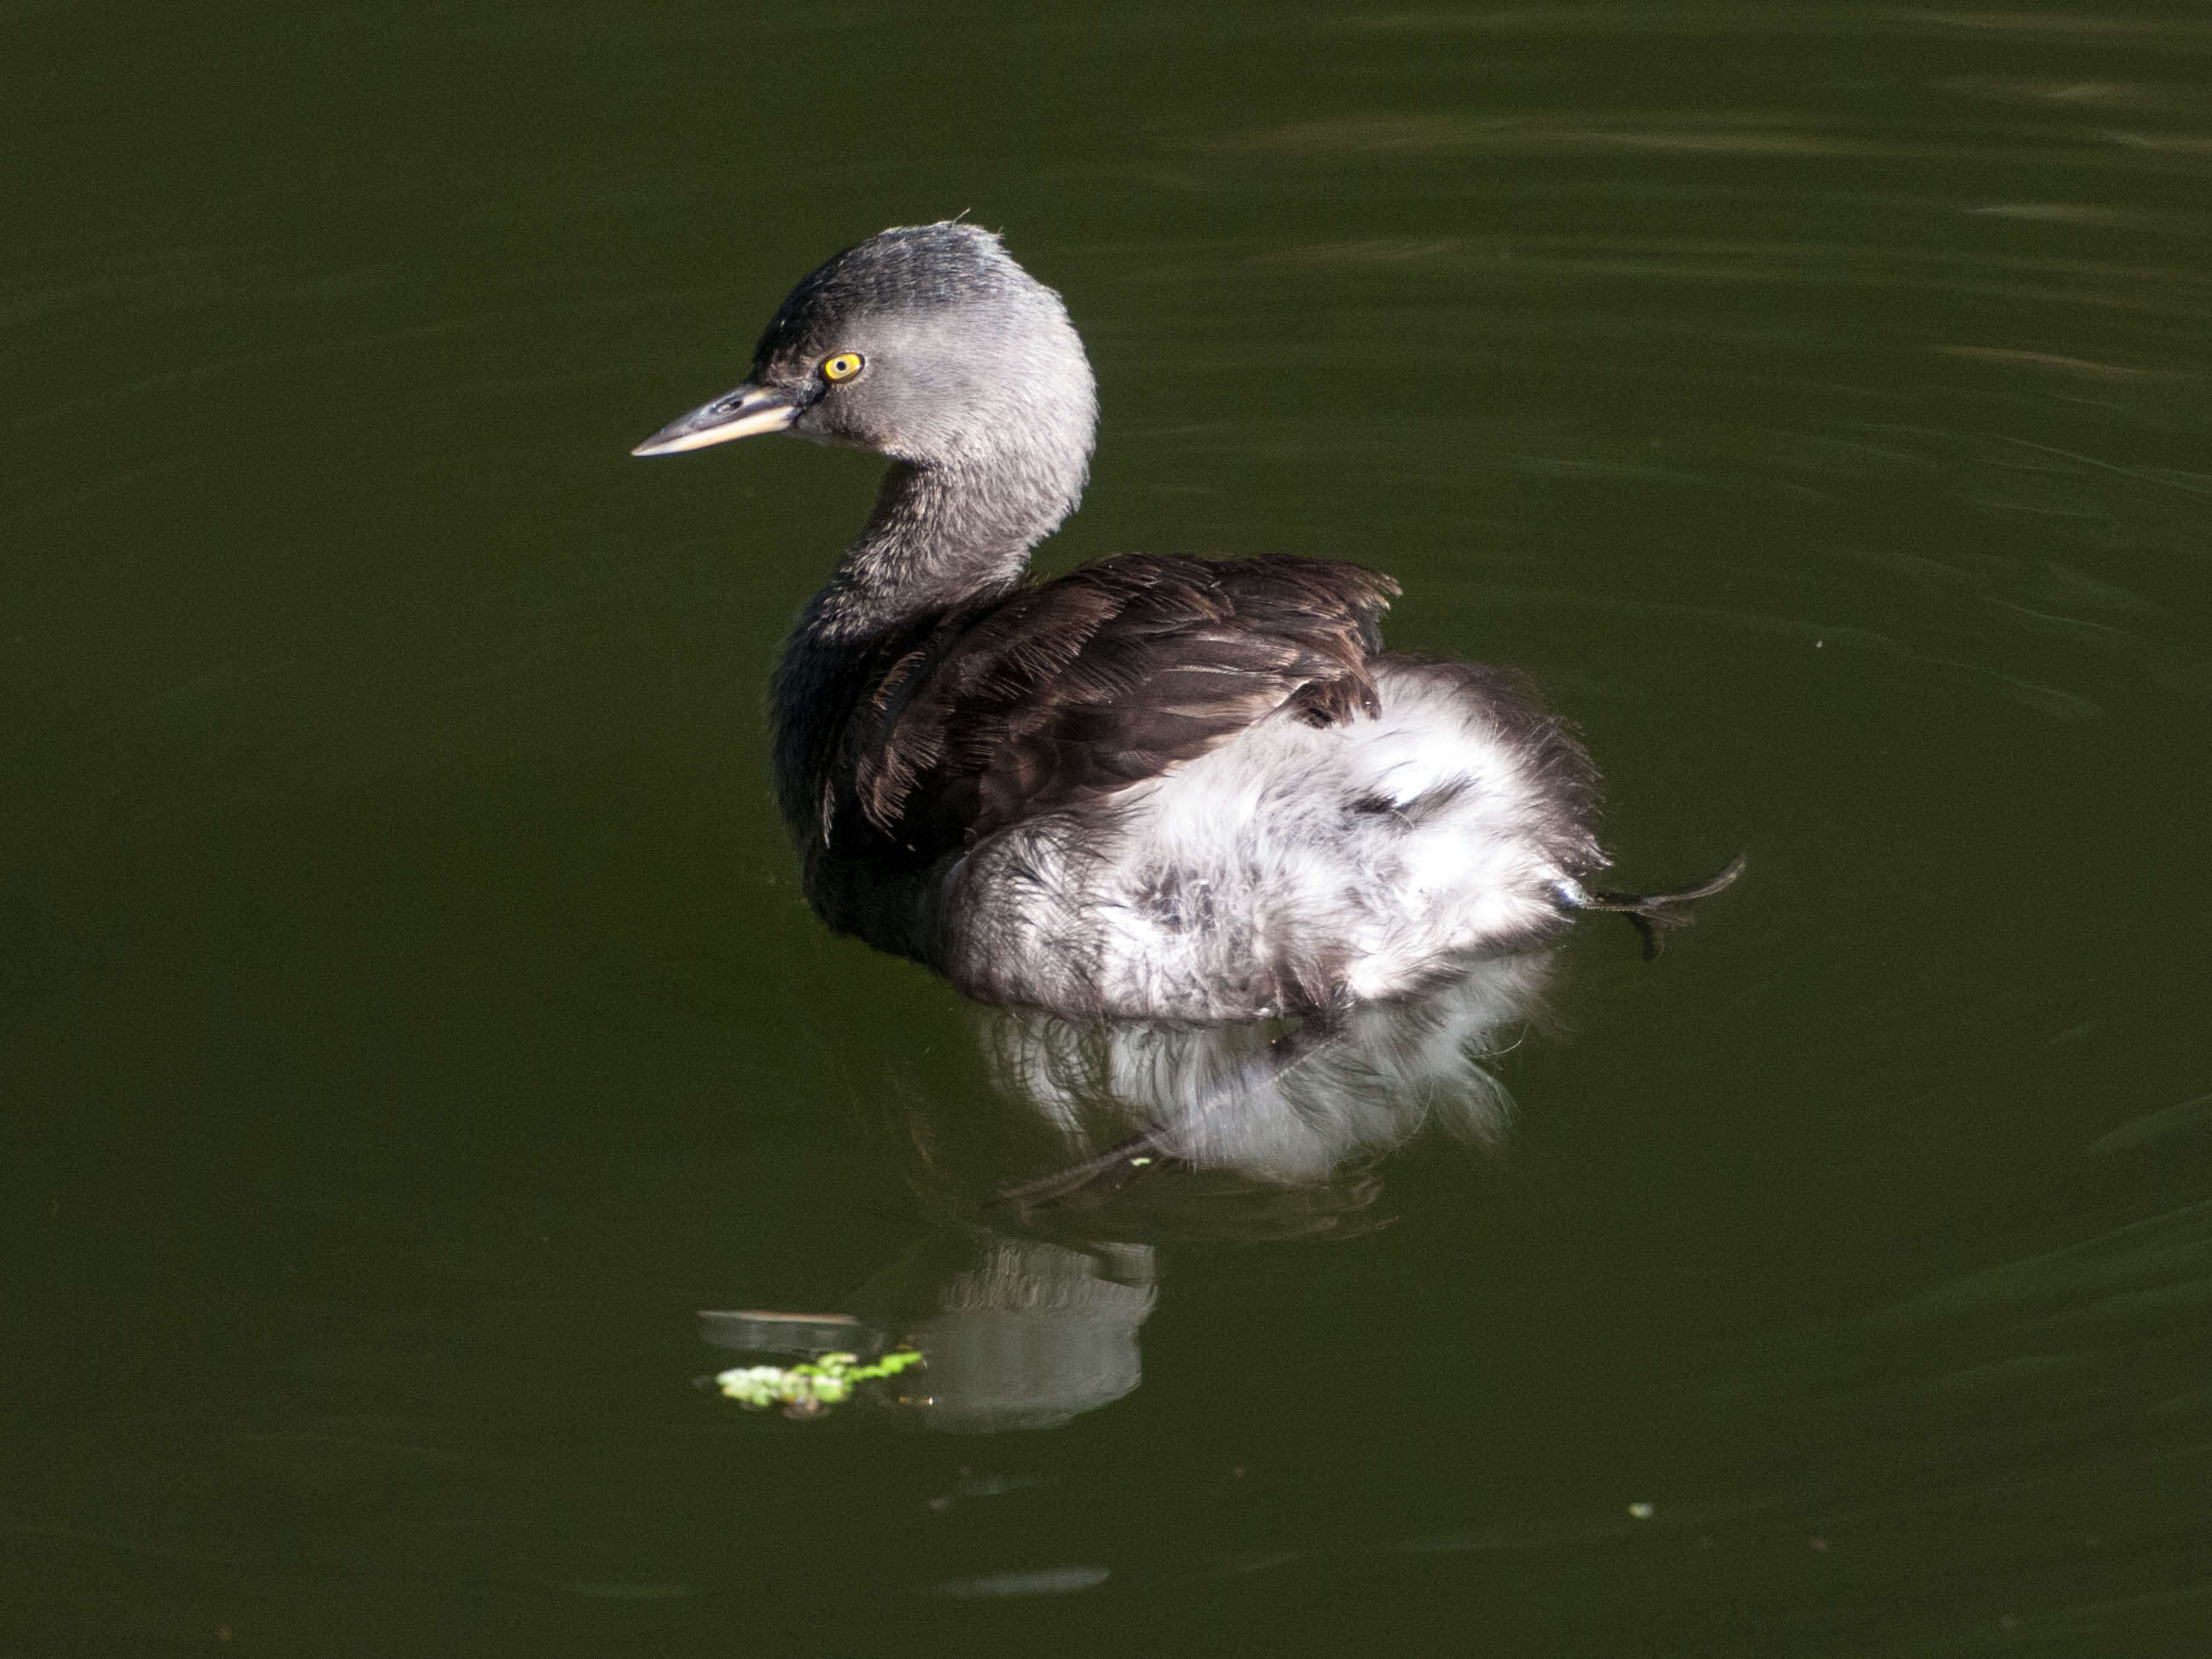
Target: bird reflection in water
pixel 1116 1138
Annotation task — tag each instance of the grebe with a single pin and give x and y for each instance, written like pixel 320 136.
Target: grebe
pixel 1155 787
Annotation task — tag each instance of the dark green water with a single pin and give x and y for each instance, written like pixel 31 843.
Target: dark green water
pixel 408 1020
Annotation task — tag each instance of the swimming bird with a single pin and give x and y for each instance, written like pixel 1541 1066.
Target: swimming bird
pixel 1157 787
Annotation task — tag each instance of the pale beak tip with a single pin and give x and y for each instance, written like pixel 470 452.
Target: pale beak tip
pixel 740 414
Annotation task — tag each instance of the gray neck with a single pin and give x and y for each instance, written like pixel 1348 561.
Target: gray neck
pixel 942 534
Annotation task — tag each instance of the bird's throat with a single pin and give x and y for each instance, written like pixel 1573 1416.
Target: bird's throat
pixel 940 536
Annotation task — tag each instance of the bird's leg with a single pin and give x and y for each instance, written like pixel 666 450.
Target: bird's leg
pixel 1090 1181
pixel 1656 914
pixel 1094 1180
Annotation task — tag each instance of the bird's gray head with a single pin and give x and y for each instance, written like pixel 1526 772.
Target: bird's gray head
pixel 929 344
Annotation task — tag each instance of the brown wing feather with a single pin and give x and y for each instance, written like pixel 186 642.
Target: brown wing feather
pixel 1080 687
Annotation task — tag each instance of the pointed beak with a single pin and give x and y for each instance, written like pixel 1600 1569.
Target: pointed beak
pixel 751 409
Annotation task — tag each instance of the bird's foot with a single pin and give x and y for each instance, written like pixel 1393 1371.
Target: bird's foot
pixel 1656 914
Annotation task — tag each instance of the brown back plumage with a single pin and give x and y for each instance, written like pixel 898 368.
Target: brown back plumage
pixel 1072 691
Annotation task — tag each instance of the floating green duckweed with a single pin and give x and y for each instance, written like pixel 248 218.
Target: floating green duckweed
pixel 810 1390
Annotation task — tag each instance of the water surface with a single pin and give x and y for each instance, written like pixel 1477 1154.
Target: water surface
pixel 409 1022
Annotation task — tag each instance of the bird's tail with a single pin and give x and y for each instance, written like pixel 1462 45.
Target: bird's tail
pixel 1656 914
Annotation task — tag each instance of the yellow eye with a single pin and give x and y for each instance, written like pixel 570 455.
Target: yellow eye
pixel 843 367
